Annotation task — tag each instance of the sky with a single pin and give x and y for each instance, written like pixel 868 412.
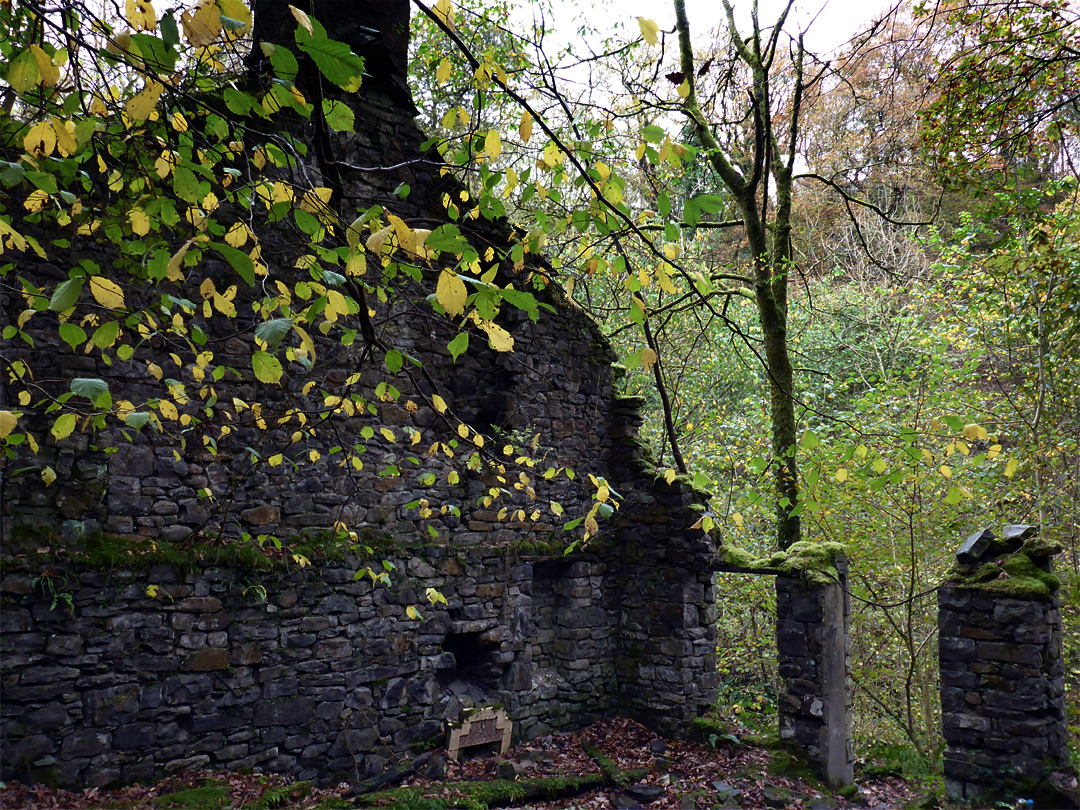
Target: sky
pixel 836 20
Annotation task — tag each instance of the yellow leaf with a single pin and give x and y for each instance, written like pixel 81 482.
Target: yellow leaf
pixel 842 475
pixel 168 410
pixel 592 528
pixel 40 140
pixel 237 235
pixel 993 452
pixel 50 74
pixel 203 23
pixel 493 144
pixel 525 127
pixel 500 339
pixel 684 89
pixel 24 398
pixel 35 200
pixel 140 222
pixel 140 14
pixel 640 151
pixel 48 475
pixel 155 370
pixel 737 519
pixel 1010 468
pixel 672 251
pixel 669 476
pixel 413 613
pixel 649 30
pixel 388 434
pixel 463 431
pixel 945 470
pixel 377 240
pixel 107 292
pixel 64 424
pixel 65 137
pixel 451 293
pixel 442 72
pixel 444 10
pixel 439 403
pixel 879 465
pixel 302 19
pixel 7 422
pixel 276 459
pixel 139 106
pixel 648 358
pixel 971 432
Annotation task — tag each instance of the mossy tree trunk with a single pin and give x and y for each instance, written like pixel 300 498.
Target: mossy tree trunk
pixel 764 199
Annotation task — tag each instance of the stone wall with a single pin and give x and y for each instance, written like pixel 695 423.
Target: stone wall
pixel 813 643
pixel 1002 673
pixel 310 672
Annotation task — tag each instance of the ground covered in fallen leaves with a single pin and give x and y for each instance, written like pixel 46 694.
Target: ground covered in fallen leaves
pixel 681 775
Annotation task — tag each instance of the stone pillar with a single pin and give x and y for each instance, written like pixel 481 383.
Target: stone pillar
pixel 1002 674
pixel 813 643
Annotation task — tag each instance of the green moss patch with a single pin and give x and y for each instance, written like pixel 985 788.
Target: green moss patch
pixel 109 552
pixel 481 795
pixel 1016 575
pixel 814 560
pixel 208 797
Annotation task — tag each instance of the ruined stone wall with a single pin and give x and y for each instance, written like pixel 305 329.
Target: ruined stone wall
pixel 311 672
pixel 329 677
pixel 1002 692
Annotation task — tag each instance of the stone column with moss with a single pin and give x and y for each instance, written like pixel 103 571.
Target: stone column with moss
pixel 1002 674
pixel 812 647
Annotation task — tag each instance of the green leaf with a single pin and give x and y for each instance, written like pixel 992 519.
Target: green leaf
pixel 334 59
pixel 64 424
pixel 185 185
pixel 91 388
pixel 809 440
pixel 653 133
pixel 43 180
pixel 447 238
pixel 137 420
pixel 170 35
pixel 339 115
pixel 66 295
pixel 284 63
pixel 239 103
pixel 23 73
pixel 954 495
pixel 267 368
pixel 458 345
pixel 72 334
pixel 710 203
pixel 11 174
pixel 106 335
pixel 271 332
pixel 239 260
pixel 691 213
pixel 393 361
pixel 701 481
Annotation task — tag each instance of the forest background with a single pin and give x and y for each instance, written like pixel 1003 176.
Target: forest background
pixel 846 286
pixel 932 288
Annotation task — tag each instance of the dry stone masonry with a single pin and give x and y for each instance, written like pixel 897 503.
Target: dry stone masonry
pixel 812 645
pixel 1002 674
pixel 116 672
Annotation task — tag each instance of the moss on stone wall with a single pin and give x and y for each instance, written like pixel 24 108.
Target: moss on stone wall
pixel 814 560
pixel 100 551
pixel 1017 576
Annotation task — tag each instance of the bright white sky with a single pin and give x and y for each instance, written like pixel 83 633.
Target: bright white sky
pixel 836 20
